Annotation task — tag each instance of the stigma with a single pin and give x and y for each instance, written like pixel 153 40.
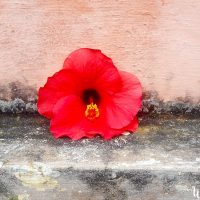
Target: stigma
pixel 92 111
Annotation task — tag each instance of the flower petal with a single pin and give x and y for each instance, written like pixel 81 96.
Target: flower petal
pixel 67 113
pixel 59 85
pixel 96 69
pixel 69 120
pixel 116 132
pixel 124 105
pixel 132 127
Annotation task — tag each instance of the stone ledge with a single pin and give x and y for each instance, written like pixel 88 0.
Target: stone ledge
pixel 159 144
pixel 160 161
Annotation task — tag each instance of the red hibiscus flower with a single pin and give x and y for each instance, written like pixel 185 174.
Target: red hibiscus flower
pixel 89 96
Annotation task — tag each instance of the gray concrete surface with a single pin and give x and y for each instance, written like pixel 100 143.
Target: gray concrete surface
pixel 160 162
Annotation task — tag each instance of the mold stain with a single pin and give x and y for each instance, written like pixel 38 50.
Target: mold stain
pixel 23 197
pixel 20 197
pixel 37 181
pixel 143 130
pixel 19 98
pixel 18 90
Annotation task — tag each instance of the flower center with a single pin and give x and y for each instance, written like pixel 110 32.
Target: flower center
pixel 90 95
pixel 91 99
pixel 92 111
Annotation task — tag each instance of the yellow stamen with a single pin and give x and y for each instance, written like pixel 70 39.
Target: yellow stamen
pixel 92 111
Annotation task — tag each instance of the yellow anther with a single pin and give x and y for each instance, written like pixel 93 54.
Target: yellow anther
pixel 92 111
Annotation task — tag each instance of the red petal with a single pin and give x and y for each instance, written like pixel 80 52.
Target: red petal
pixel 69 120
pixel 96 69
pixel 132 127
pixel 59 85
pixel 67 112
pixel 120 97
pixel 124 105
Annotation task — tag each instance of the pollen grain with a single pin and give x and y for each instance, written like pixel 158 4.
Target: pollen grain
pixel 92 111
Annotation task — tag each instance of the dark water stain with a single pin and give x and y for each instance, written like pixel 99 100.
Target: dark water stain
pixel 8 183
pixel 19 98
pixel 152 105
pixel 24 92
pixel 112 184
pixel 122 185
pixel 18 90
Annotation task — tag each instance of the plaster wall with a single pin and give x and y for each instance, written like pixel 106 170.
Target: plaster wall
pixel 158 40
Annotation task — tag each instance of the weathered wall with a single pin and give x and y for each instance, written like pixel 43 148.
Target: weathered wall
pixel 157 40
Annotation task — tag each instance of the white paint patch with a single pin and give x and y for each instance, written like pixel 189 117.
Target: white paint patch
pixel 37 181
pixel 36 175
pixel 182 188
pixel 23 197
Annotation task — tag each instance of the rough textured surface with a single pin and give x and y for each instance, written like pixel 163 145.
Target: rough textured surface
pixel 158 40
pixel 160 162
pixel 152 106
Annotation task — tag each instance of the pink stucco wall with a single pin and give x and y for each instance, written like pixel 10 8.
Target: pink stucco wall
pixel 157 40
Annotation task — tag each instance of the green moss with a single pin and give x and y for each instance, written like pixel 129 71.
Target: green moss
pixel 14 198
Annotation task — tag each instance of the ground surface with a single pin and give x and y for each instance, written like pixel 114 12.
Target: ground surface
pixel 160 162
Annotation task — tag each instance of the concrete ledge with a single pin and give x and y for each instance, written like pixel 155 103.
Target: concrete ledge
pixel 160 161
